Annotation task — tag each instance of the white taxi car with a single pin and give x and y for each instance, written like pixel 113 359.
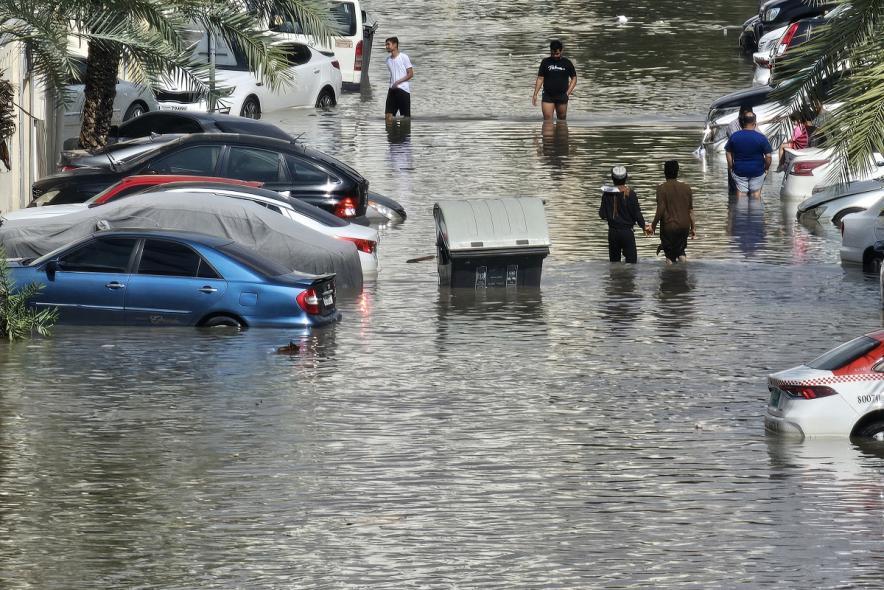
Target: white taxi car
pixel 838 394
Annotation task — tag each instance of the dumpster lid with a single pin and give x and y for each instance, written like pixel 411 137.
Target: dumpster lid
pixel 479 224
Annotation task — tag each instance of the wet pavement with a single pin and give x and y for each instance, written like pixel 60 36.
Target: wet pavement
pixel 604 431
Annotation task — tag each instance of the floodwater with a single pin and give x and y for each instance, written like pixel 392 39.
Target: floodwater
pixel 605 431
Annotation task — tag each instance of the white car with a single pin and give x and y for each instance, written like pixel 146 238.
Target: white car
pixel 814 166
pixel 859 234
pixel 316 82
pixel 130 101
pixel 838 394
pixel 836 201
pixel 352 47
pixel 763 57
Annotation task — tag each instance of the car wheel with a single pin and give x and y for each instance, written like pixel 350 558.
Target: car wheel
pixel 136 109
pixel 873 263
pixel 872 431
pixel 326 99
pixel 250 108
pixel 840 215
pixel 222 321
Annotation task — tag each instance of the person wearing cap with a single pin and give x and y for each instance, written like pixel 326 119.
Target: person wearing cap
pixel 675 214
pixel 620 208
pixel 558 77
pixel 748 157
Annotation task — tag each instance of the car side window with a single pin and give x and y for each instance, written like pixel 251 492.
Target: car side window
pixel 199 160
pixel 170 259
pixel 255 164
pixel 297 54
pixel 99 255
pixel 304 172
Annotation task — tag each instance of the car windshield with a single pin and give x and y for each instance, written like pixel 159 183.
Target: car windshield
pixel 343 16
pixel 844 354
pixel 253 260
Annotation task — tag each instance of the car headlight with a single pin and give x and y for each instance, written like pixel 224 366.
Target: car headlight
pixel 222 92
pixel 770 14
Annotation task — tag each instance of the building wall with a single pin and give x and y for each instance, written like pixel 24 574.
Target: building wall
pixel 32 148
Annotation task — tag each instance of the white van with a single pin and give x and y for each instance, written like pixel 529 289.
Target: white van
pixel 352 48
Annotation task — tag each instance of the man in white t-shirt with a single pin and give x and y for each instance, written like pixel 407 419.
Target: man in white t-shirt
pixel 401 71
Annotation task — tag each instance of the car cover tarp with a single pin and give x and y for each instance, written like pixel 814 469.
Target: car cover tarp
pixel 289 243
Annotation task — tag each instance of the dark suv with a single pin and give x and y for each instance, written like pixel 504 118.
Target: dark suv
pixel 286 167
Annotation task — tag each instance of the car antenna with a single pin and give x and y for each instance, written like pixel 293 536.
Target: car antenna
pixel 297 138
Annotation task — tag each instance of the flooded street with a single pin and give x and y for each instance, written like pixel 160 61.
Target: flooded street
pixel 603 432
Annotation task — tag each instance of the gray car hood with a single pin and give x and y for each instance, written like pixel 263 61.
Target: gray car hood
pixel 296 247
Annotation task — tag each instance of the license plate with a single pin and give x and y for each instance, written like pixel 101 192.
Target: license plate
pixel 172 107
pixel 328 300
pixel 343 43
pixel 774 398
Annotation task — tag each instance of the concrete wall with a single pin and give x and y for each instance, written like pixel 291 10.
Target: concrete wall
pixel 32 148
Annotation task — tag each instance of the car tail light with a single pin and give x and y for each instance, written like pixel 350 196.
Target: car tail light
pixel 336 64
pixel 308 300
pixel 367 246
pixel 808 391
pixel 67 168
pixel 346 208
pixel 787 38
pixel 357 63
pixel 807 167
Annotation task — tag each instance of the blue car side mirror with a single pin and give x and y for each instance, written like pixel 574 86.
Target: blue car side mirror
pixel 51 267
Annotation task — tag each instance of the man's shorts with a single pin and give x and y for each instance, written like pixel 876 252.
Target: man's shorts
pixel 555 98
pixel 747 184
pixel 398 100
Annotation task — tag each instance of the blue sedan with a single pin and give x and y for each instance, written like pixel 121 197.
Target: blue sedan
pixel 165 277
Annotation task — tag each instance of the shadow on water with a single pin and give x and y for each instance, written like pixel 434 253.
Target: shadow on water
pixel 622 303
pixel 553 144
pixel 745 224
pixel 676 303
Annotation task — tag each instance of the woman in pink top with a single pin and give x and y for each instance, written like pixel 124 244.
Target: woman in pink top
pixel 800 138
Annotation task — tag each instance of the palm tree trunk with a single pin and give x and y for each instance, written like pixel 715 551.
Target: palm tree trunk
pixel 102 65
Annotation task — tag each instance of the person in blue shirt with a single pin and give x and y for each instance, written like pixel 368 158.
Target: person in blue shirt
pixel 748 157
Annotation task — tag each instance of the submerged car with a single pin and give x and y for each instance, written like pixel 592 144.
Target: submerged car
pixel 862 235
pixel 295 246
pixel 315 81
pixel 812 167
pixel 286 167
pixel 840 393
pixel 130 101
pixel 836 201
pixel 163 277
pixel 725 110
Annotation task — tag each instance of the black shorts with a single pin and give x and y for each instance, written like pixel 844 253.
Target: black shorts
pixel 398 100
pixel 555 98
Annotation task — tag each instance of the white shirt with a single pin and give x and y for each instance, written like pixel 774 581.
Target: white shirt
pixel 398 67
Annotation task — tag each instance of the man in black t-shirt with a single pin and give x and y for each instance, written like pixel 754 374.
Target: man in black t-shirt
pixel 558 78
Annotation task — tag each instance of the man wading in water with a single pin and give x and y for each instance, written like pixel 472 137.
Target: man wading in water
pixel 558 78
pixel 621 210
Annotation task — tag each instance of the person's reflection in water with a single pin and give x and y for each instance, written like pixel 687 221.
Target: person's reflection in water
pixel 676 304
pixel 746 223
pixel 554 146
pixel 399 138
pixel 622 304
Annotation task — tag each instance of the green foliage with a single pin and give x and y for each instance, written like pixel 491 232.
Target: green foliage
pixel 17 319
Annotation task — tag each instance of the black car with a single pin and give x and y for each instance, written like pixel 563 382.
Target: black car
pixel 774 14
pixel 286 167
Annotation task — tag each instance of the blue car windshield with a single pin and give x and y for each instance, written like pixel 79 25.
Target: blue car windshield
pixel 253 260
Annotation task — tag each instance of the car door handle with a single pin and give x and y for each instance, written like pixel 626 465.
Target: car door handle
pixel 316 71
pixel 208 289
pixel 115 285
pixel 259 83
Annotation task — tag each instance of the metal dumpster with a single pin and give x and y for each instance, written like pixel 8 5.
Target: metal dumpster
pixel 483 243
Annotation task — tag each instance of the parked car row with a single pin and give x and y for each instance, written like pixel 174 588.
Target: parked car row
pixel 291 207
